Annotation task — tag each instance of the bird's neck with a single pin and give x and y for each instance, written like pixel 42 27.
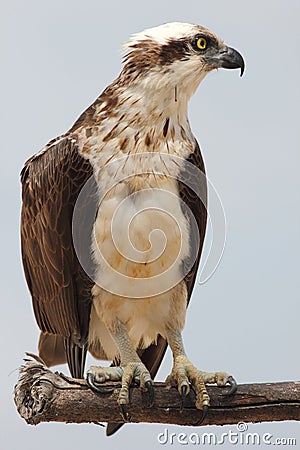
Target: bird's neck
pixel 153 99
pixel 161 110
pixel 155 105
pixel 139 117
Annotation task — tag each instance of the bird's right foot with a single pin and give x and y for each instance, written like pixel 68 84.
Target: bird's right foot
pixel 132 371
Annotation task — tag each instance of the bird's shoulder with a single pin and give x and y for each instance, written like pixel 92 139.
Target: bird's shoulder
pixel 58 160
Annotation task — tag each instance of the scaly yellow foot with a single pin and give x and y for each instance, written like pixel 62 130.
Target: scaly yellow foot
pixel 185 375
pixel 132 371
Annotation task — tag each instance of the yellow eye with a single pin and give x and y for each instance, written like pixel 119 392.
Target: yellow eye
pixel 201 43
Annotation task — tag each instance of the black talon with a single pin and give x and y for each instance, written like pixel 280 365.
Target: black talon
pixel 204 414
pixel 183 396
pixel 183 391
pixel 124 413
pixel 90 380
pixel 149 387
pixel 233 387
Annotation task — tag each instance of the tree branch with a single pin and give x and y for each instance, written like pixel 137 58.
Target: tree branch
pixel 44 396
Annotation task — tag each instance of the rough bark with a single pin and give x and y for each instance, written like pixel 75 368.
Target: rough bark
pixel 43 396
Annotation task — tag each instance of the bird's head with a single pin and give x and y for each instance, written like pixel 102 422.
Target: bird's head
pixel 175 56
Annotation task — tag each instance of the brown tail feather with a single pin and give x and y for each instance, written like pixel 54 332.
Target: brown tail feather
pixel 51 349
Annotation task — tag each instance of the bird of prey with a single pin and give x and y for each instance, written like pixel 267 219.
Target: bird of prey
pixel 144 229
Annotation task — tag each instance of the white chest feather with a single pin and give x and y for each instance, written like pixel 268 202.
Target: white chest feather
pixel 140 239
pixel 141 236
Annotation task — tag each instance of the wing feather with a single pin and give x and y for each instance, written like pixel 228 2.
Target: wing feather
pixel 193 192
pixel 60 289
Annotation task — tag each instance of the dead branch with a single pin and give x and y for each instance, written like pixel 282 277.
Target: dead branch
pixel 43 396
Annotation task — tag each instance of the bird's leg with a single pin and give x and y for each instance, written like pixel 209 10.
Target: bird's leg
pixel 131 369
pixel 185 375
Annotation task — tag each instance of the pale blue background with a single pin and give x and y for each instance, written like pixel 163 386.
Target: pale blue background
pixel 56 57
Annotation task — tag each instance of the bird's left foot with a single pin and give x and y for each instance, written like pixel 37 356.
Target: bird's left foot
pixel 133 371
pixel 185 375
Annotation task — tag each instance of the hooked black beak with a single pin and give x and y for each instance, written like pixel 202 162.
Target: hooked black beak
pixel 228 58
pixel 231 59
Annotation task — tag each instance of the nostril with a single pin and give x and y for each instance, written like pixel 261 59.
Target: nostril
pixel 224 50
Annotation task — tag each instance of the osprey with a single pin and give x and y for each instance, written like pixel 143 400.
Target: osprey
pixel 143 228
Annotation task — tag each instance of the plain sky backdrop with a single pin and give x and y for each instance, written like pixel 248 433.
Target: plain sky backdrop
pixel 56 58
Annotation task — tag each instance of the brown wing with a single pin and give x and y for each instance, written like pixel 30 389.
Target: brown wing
pixel 60 289
pixel 193 192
